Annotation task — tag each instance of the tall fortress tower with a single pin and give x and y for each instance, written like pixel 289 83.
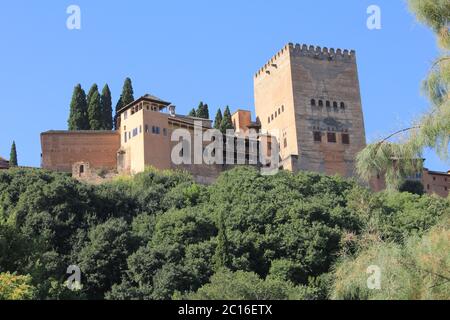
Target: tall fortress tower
pixel 309 98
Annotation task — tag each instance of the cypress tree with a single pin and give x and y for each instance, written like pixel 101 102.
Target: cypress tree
pixel 202 111
pixel 221 257
pixel 78 118
pixel 226 123
pixel 13 155
pixel 127 96
pixel 218 119
pixel 106 107
pixel 94 109
pixel 192 113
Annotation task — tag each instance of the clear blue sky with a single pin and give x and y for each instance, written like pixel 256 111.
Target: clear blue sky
pixel 187 51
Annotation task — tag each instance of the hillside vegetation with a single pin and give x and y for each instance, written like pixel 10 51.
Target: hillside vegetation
pixel 159 235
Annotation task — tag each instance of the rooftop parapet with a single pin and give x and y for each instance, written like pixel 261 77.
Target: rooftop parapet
pixel 315 52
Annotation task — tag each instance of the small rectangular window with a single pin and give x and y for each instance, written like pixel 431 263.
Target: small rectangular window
pixel 317 136
pixel 125 115
pixel 285 143
pixel 146 128
pixel 271 117
pixel 268 120
pixel 164 131
pixel 125 137
pixel 157 130
pixel 345 138
pixel 140 129
pixel 282 108
pixel 331 137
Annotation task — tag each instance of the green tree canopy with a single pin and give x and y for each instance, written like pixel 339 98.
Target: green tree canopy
pixel 78 118
pixel 15 287
pixel 95 113
pixel 226 123
pixel 127 95
pixel 218 119
pixel 192 113
pixel 106 107
pixel 13 156
pixel 202 111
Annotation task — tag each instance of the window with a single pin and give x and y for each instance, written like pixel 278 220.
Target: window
pixel 81 169
pixel 320 103
pixel 428 186
pixel 276 114
pixel 342 105
pixel 164 131
pixel 279 111
pixel 434 178
pixel 153 129
pixel 328 104
pixel 285 143
pixel 146 128
pixel 345 138
pixel 129 134
pixel 282 108
pixel 317 136
pixel 271 117
pixel 135 132
pixel 335 104
pixel 313 102
pixel 125 136
pixel 158 130
pixel 140 129
pixel 331 137
pixel 125 115
pixel 268 119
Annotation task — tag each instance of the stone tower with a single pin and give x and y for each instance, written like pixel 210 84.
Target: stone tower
pixel 309 98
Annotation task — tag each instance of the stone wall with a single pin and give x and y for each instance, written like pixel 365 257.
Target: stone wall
pixel 62 149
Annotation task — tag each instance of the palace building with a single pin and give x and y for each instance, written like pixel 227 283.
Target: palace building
pixel 307 99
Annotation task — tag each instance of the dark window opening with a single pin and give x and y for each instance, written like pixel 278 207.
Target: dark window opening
pixel 313 102
pixel 331 137
pixel 320 103
pixel 342 105
pixel 345 138
pixel 317 136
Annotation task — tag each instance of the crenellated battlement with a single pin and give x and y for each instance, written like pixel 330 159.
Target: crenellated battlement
pixel 315 52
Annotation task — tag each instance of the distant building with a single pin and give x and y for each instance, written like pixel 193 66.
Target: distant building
pixel 434 182
pixel 4 164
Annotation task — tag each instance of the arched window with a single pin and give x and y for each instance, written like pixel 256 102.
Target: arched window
pixel 320 103
pixel 328 104
pixel 313 102
pixel 342 105
pixel 335 104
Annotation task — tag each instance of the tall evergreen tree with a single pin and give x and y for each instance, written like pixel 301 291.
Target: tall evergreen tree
pixel 221 257
pixel 218 119
pixel 126 97
pixel 13 156
pixel 78 118
pixel 106 107
pixel 192 113
pixel 226 123
pixel 202 111
pixel 94 109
